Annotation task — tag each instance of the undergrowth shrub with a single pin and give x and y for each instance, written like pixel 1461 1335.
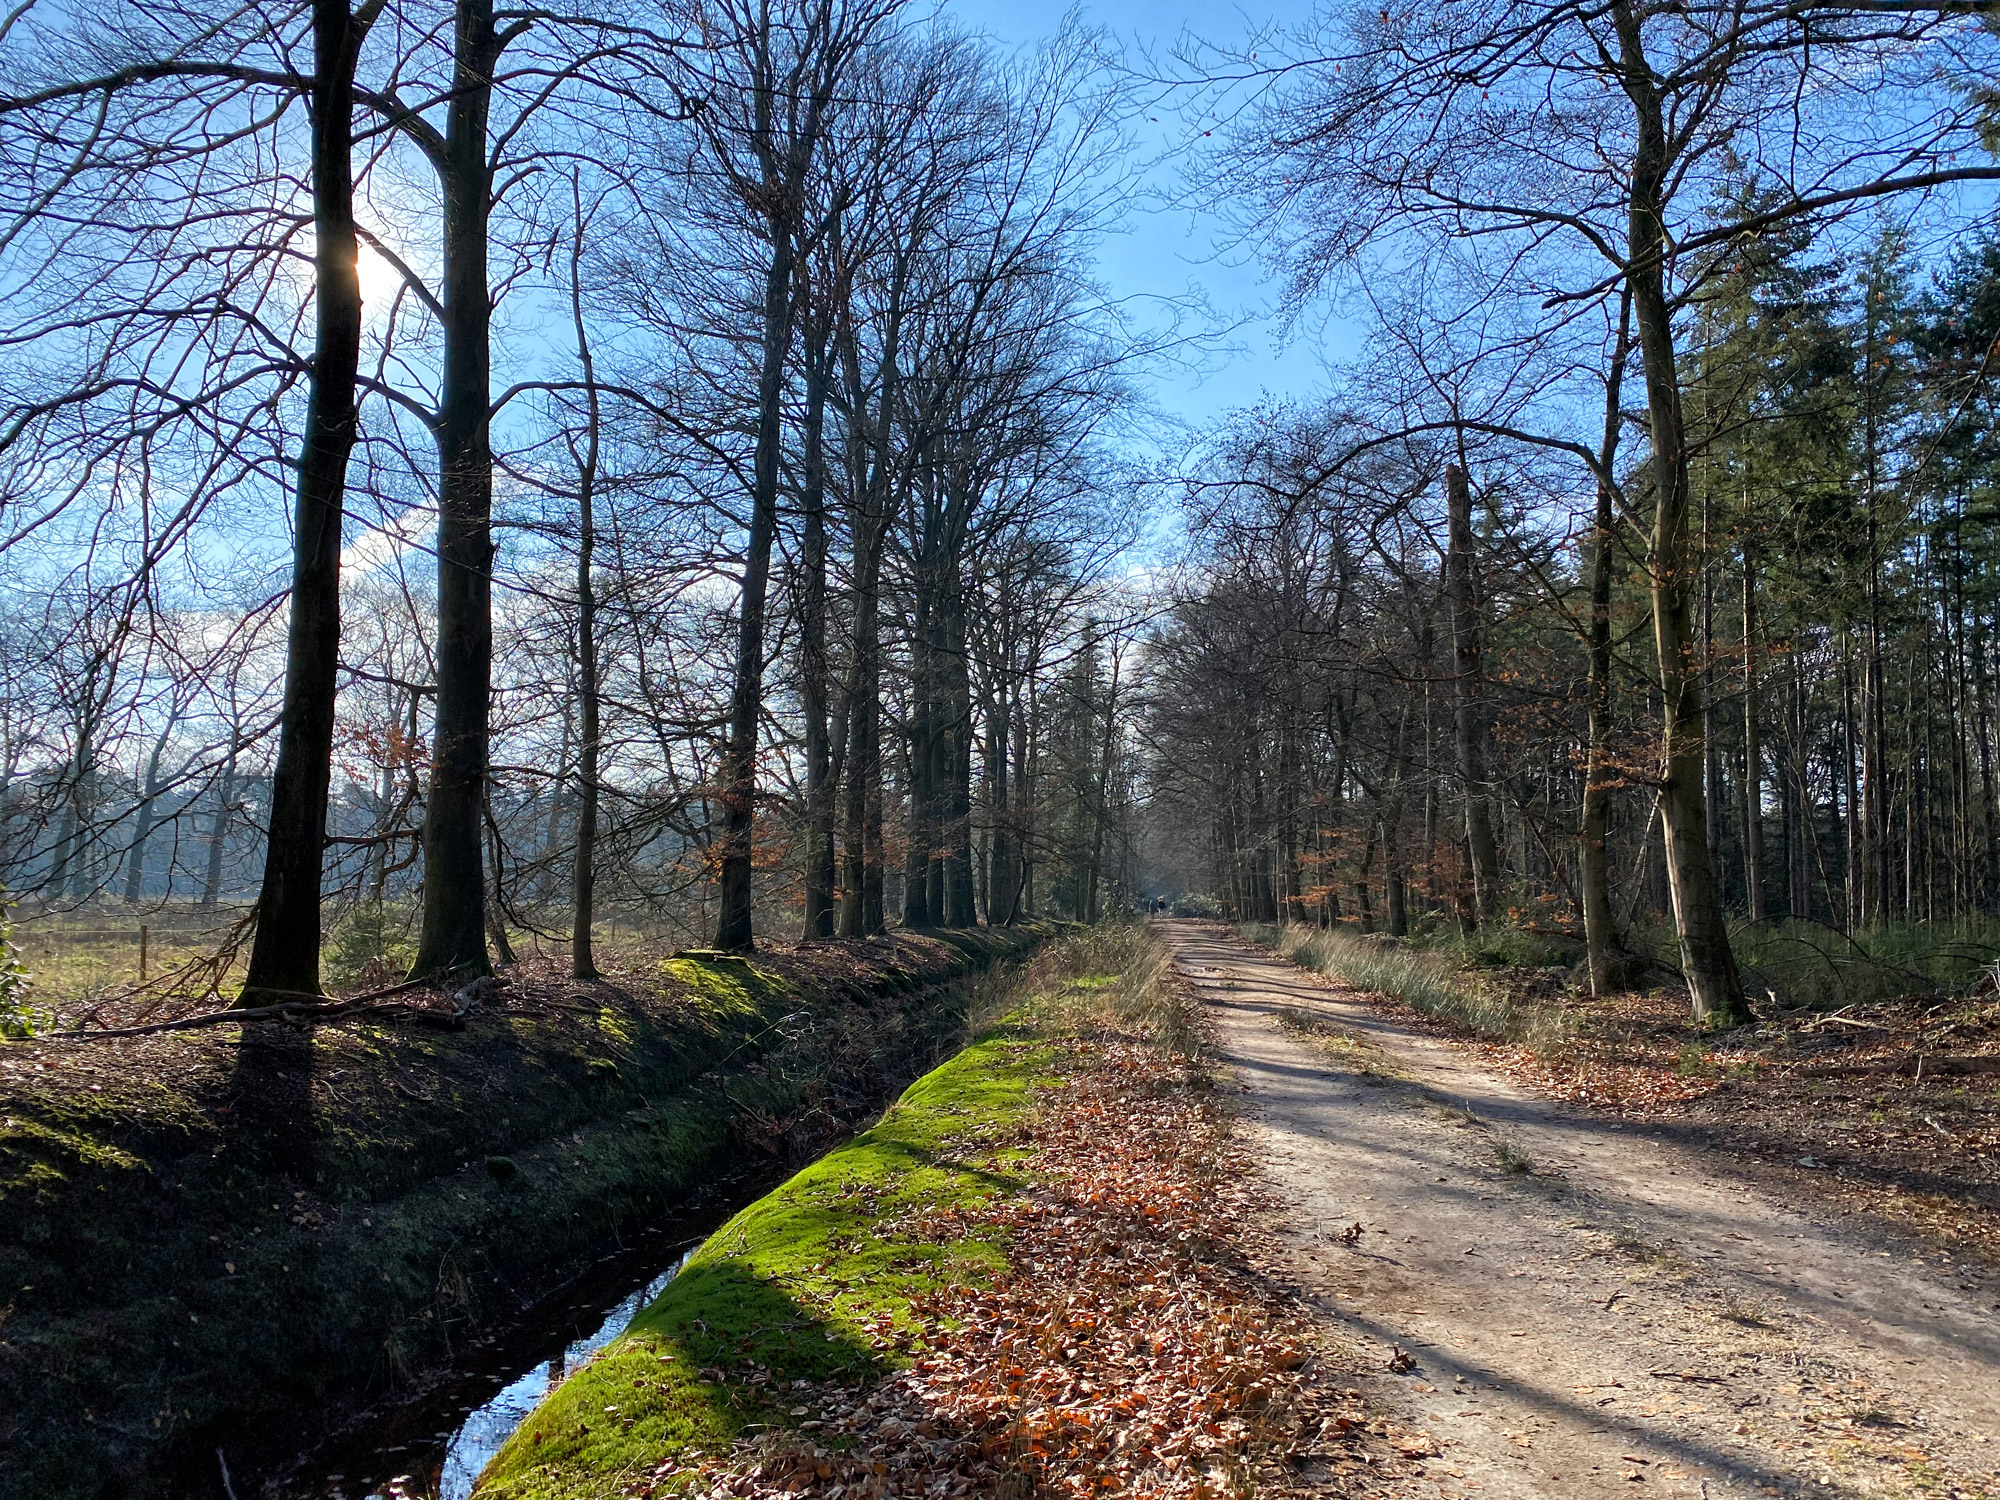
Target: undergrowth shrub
pixel 1812 966
pixel 1509 948
pixel 17 1017
pixel 369 947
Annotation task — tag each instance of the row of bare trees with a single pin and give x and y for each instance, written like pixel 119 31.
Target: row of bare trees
pixel 697 423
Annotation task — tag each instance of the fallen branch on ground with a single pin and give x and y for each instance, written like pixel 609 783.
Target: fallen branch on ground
pixel 1910 1062
pixel 305 1008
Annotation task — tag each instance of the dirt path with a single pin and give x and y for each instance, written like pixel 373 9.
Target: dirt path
pixel 1592 1309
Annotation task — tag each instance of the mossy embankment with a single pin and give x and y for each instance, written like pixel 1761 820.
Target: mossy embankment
pixel 818 1281
pixel 208 1237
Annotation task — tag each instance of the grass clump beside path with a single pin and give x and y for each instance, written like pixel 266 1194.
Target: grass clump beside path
pixel 1427 980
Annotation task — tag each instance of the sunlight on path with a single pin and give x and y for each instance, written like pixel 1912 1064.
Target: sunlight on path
pixel 1577 1307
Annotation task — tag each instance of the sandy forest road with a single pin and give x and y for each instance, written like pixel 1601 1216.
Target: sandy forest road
pixel 1592 1309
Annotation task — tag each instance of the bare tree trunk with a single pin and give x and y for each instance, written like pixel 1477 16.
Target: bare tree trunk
pixel 1100 801
pixel 1364 904
pixel 1027 741
pixel 861 875
pixel 1801 855
pixel 919 744
pixel 1395 886
pixel 1714 988
pixel 1600 928
pixel 142 818
pixel 739 777
pixel 452 939
pixel 1711 741
pixel 1875 810
pixel 57 884
pixel 583 872
pixel 1461 595
pixel 1753 750
pixel 285 952
pixel 1000 876
pixel 960 907
pixel 813 674
pixel 1989 815
pixel 218 837
pixel 1854 914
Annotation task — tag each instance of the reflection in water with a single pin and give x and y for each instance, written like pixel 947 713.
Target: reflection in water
pixel 449 1475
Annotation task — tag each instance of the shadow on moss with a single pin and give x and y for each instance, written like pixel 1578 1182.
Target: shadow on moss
pixel 814 1282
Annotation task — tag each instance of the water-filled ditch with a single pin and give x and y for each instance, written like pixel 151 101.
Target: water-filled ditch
pixel 431 1445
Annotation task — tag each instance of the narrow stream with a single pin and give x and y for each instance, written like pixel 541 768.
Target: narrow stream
pixel 485 1428
pixel 432 1446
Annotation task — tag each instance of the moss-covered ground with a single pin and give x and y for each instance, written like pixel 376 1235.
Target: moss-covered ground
pixel 812 1283
pixel 206 1236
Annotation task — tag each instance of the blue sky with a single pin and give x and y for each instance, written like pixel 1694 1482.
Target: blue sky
pixel 1165 250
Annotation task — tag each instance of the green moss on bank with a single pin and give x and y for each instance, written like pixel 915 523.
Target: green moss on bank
pixel 208 1237
pixel 813 1282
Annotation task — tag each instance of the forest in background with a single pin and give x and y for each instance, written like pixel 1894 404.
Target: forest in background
pixel 1636 582
pixel 722 489
pixel 1844 639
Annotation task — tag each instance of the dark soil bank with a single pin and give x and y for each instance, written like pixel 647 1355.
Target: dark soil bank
pixel 228 1236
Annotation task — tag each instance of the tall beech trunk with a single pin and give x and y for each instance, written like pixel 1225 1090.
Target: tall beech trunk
pixel 917 759
pixel 1716 796
pixel 1461 595
pixel 1101 805
pixel 961 909
pixel 285 953
pixel 1714 988
pixel 1395 888
pixel 920 746
pixel 583 870
pixel 739 776
pixel 1989 815
pixel 814 695
pixel 59 858
pixel 496 894
pixel 1875 809
pixel 452 940
pixel 1027 740
pixel 862 910
pixel 1364 905
pixel 861 913
pixel 1001 878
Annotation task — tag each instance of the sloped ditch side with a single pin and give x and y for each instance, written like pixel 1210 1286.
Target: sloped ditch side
pixel 223 1237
